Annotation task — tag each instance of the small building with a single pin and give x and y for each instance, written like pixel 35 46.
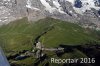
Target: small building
pixel 39 45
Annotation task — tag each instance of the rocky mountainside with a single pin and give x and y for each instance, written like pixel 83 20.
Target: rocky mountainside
pixel 84 12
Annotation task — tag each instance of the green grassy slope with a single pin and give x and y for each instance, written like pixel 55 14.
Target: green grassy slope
pixel 67 34
pixel 19 35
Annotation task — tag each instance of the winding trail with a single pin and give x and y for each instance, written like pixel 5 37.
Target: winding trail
pixel 38 37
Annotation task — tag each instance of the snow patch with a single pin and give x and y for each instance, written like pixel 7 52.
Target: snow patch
pixel 29 5
pixel 6 0
pixel 52 9
pixel 47 6
pixel 0 20
pixel 58 6
pixel 71 1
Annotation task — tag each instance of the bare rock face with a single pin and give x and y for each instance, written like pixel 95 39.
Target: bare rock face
pixel 85 12
pixel 11 10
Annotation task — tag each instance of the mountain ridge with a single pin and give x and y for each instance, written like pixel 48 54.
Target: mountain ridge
pixel 85 12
